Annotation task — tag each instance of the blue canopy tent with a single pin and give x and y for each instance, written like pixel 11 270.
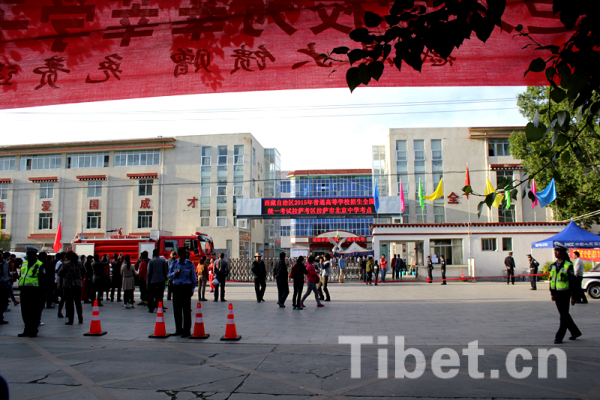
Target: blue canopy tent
pixel 572 236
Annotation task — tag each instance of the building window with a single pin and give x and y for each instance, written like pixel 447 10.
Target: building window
pixel 206 156
pixel 137 157
pixel 505 215
pixel 222 155
pixel 238 154
pixel 145 187
pixel 285 231
pixel 238 190
pixel 94 189
pixel 498 147
pixel 488 244
pixel 451 249
pixel 419 150
pixel 436 149
pixel 229 245
pixel 286 187
pixel 506 244
pixel 144 219
pixel 87 160
pixel 45 221
pixel 7 163
pixel 47 190
pixel 503 175
pixel 93 220
pixel 421 215
pixel 3 191
pixel 2 221
pixel 401 153
pixel 205 218
pixel 439 211
pixel 221 218
pixel 48 161
pixel 205 191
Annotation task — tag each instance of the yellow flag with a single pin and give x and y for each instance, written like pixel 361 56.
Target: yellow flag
pixel 489 188
pixel 439 192
pixel 498 200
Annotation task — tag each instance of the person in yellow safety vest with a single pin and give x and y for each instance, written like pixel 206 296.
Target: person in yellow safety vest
pixel 31 289
pixel 562 290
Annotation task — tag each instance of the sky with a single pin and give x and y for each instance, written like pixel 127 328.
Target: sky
pixel 311 129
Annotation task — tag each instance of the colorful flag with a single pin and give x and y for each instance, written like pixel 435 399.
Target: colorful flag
pixel 548 195
pixel 490 189
pixel 421 201
pixel 57 244
pixel 534 191
pixel 402 205
pixel 467 179
pixel 439 192
pixel 376 197
pixel 508 199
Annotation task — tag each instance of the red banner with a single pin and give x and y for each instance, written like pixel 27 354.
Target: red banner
pixel 67 51
pixel 586 254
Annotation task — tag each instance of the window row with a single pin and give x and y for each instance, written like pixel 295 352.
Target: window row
pixel 222 158
pixel 489 244
pixel 418 150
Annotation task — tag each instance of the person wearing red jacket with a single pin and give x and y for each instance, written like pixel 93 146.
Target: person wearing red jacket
pixel 143 274
pixel 312 280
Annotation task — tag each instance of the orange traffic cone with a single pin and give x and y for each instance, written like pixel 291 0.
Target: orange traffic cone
pixel 160 331
pixel 462 275
pixel 199 325
pixel 95 327
pixel 230 331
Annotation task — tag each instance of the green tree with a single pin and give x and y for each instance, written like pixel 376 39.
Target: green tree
pixel 5 242
pixel 570 157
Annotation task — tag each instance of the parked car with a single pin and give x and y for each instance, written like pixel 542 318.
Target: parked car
pixel 591 282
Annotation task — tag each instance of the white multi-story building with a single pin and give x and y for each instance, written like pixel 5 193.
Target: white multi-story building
pixel 182 184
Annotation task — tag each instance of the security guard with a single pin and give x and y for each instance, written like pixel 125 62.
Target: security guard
pixel 533 270
pixel 562 285
pixel 31 289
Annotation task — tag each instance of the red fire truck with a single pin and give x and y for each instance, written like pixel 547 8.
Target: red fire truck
pixel 197 244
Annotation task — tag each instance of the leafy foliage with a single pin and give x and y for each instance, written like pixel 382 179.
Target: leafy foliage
pixel 577 181
pixel 5 241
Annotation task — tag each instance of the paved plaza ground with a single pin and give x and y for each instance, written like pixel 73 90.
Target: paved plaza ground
pixel 287 354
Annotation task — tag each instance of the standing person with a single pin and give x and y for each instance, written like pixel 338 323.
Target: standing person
pixel 48 284
pixel 362 263
pixel 579 270
pixel 259 273
pixel 117 279
pixel 88 285
pixel 184 278
pixel 400 269
pixel 443 267
pixel 221 270
pixel 31 289
pixel 211 275
pixel 413 263
pixel 369 270
pixel 52 273
pixel 376 271
pixel 202 271
pixel 158 270
pixel 533 270
pixel 15 265
pixel 98 267
pixel 70 282
pixel 298 272
pixel 4 282
pixel 509 263
pixel 143 274
pixel 128 273
pixel 562 285
pixel 383 267
pixel 170 281
pixel 280 273
pixel 311 284
pixel 342 264
pixel 324 273
pixel 394 265
pixel 429 270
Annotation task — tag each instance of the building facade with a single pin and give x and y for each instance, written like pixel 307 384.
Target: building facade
pixel 181 184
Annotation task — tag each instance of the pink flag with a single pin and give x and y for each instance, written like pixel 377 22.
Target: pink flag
pixel 57 244
pixel 534 191
pixel 402 207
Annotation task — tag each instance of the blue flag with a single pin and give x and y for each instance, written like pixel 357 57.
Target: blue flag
pixel 376 197
pixel 548 195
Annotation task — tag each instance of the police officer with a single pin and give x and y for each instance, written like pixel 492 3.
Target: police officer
pixel 509 263
pixel 533 270
pixel 429 270
pixel 562 286
pixel 31 286
pixel 443 267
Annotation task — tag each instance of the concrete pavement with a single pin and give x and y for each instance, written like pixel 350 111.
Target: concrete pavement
pixel 287 354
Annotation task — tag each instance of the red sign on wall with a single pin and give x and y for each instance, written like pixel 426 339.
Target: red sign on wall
pixel 348 240
pixel 94 204
pixel 326 207
pixel 46 205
